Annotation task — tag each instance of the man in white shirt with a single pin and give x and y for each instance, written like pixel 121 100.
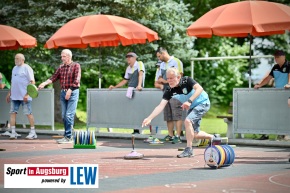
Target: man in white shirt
pixel 173 111
pixel 22 76
pixel 134 76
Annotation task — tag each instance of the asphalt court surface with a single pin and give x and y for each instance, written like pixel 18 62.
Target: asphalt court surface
pixel 255 169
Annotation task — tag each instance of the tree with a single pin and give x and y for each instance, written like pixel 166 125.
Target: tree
pixel 169 18
pixel 162 16
pixel 220 77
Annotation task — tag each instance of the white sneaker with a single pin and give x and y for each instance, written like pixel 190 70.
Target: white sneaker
pixel 31 135
pixel 14 135
pixel 65 140
pixel 6 133
pixel 60 139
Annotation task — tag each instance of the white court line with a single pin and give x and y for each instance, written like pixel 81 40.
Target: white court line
pixel 239 190
pixel 59 158
pixel 271 180
pixel 48 146
pixel 101 177
pixel 191 164
pixel 28 160
pixel 16 148
pixel 80 158
pixel 181 185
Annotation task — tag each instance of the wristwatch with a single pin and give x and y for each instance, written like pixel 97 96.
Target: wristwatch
pixel 190 101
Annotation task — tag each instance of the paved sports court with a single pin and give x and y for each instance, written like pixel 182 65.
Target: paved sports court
pixel 255 169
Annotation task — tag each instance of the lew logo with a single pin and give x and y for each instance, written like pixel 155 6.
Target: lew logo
pixel 83 175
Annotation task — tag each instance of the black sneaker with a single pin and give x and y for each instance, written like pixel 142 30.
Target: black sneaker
pixel 186 153
pixel 216 140
pixel 136 131
pixel 264 137
pixel 167 138
pixel 182 134
pixel 176 140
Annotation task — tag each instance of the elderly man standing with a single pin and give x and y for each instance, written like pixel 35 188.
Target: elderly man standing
pixel 134 76
pixel 22 76
pixel 69 74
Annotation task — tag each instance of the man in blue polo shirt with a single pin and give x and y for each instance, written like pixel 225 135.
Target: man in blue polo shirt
pixel 281 73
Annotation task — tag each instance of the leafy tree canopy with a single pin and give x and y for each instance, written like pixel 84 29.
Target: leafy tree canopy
pixel 170 18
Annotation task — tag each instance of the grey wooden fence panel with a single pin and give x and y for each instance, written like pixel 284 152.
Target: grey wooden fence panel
pixel 262 111
pixel 111 108
pixel 42 109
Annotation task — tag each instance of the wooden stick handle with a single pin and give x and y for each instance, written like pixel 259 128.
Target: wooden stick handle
pixel 133 140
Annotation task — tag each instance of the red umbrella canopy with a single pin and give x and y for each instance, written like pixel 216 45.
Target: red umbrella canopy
pixel 12 38
pixel 258 18
pixel 100 31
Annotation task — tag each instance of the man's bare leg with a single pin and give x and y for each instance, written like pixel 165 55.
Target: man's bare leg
pixel 178 127
pixel 203 135
pixel 189 132
pixel 31 120
pixel 170 127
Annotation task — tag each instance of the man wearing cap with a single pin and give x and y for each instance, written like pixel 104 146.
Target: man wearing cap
pixel 173 111
pixel 281 74
pixel 134 76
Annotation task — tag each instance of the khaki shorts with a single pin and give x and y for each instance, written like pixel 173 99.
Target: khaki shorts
pixel 173 110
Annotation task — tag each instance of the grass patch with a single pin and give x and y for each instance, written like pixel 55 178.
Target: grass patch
pixel 214 125
pixel 209 124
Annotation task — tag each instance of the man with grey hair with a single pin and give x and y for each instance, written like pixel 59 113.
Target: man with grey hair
pixel 194 99
pixel 134 76
pixel 69 75
pixel 22 76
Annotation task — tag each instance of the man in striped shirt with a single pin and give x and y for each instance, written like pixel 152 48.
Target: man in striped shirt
pixel 69 75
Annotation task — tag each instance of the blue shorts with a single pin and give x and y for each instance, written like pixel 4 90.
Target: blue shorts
pixel 195 115
pixel 26 106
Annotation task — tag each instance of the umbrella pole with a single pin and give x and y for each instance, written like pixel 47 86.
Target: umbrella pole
pixel 100 74
pixel 250 61
pixel 100 81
